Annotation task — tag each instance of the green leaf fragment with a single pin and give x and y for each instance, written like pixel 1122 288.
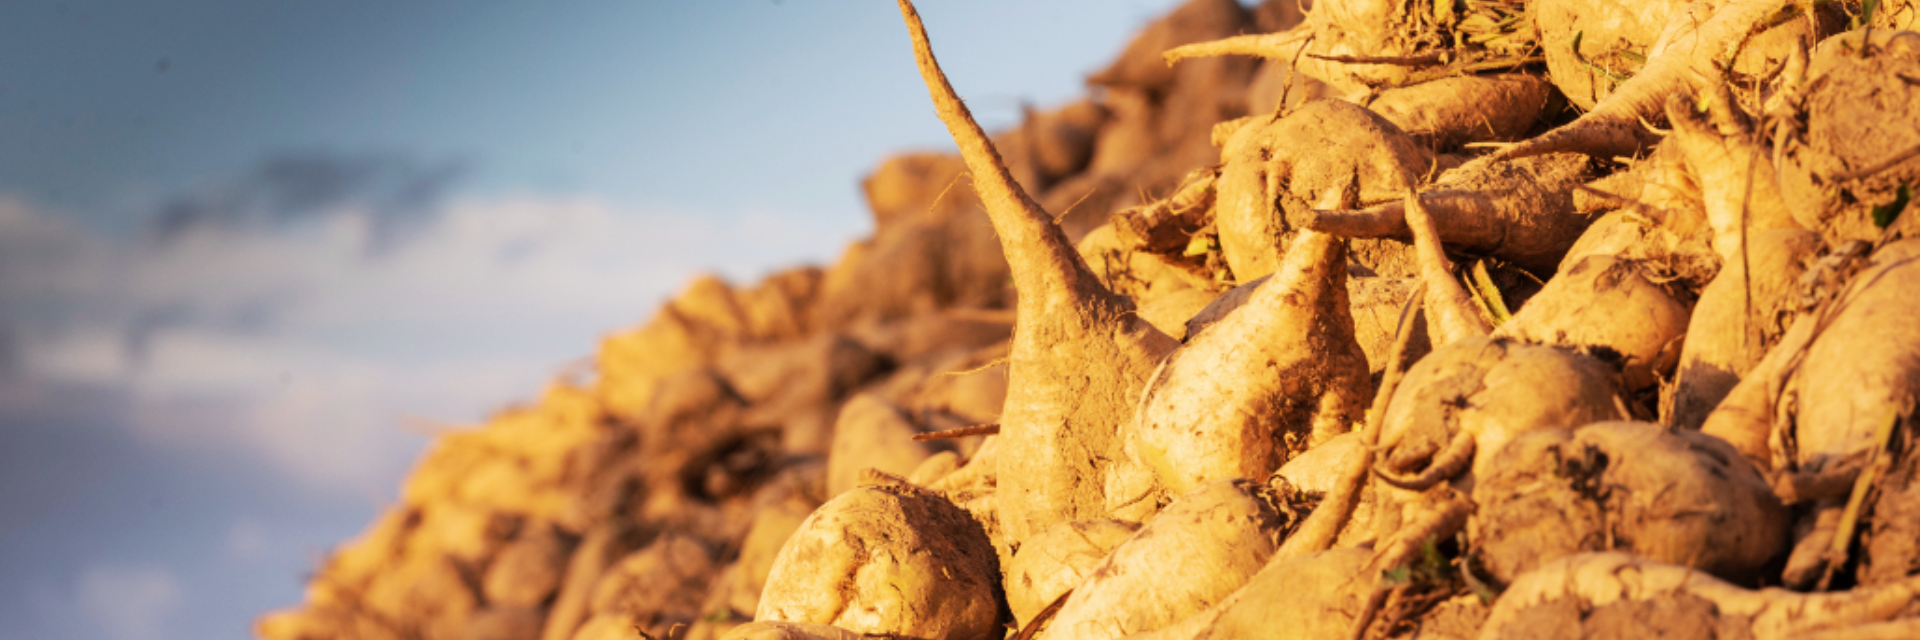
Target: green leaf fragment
pixel 1884 215
pixel 1490 295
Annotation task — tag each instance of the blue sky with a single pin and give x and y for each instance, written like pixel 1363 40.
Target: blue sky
pixel 251 251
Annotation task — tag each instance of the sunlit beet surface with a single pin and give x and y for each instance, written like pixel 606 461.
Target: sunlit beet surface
pixel 1395 320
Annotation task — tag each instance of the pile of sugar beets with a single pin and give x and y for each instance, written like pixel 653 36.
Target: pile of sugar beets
pixel 1458 318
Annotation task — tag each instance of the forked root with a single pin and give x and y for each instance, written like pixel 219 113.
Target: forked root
pixel 1522 211
pixel 1454 459
pixel 1451 312
pixel 1439 518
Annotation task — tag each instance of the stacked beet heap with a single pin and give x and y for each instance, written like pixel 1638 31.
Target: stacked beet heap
pixel 1455 318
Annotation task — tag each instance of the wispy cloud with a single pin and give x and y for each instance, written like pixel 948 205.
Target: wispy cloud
pixel 395 191
pixel 302 343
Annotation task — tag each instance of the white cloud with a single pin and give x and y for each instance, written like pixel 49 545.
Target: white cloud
pixel 301 344
pixel 128 603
